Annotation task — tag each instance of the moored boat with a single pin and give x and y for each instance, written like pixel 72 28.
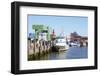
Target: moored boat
pixel 60 44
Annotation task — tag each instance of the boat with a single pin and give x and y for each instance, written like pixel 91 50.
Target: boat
pixel 61 44
pixel 74 44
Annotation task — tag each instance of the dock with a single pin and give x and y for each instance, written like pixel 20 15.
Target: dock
pixel 38 48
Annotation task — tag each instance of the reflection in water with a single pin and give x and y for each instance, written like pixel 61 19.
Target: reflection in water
pixel 71 53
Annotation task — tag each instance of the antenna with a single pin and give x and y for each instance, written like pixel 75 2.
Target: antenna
pixel 62 32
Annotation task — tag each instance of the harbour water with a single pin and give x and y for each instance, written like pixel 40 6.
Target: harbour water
pixel 71 53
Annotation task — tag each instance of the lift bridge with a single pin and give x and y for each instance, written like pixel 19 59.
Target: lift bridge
pixel 42 31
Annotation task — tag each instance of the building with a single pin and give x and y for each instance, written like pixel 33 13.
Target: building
pixel 83 40
pixel 53 36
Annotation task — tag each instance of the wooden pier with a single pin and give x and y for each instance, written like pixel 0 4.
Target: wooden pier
pixel 38 48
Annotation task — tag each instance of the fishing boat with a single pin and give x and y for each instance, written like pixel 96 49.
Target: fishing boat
pixel 61 44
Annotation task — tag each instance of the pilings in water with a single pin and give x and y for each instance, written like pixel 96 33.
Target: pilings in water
pixel 83 43
pixel 37 48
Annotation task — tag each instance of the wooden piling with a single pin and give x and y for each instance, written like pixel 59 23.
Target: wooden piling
pixel 38 48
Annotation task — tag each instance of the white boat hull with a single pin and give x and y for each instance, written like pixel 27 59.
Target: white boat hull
pixel 62 47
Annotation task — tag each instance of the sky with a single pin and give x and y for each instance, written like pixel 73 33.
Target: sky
pixel 65 24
